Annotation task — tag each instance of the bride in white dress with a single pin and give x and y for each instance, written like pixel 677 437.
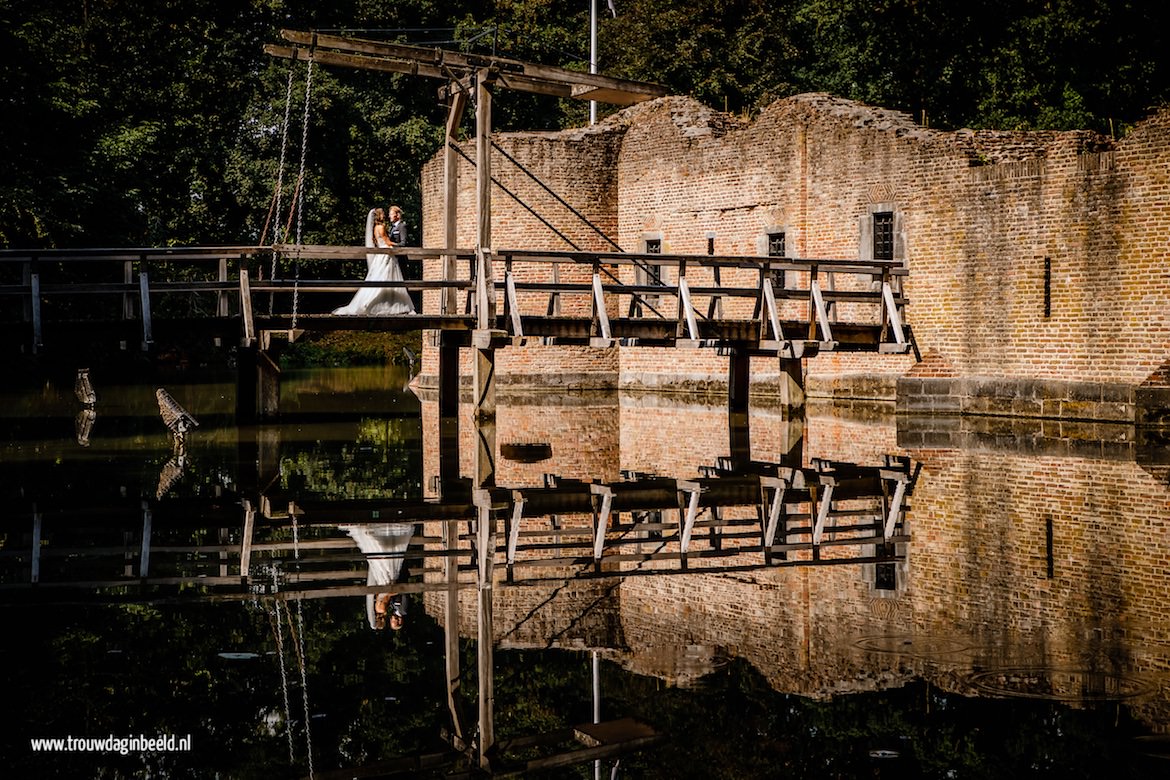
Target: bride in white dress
pixel 379 301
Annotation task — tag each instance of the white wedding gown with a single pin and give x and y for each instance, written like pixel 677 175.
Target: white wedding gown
pixel 384 545
pixel 379 301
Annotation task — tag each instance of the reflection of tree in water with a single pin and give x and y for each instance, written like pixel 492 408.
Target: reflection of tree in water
pixel 381 463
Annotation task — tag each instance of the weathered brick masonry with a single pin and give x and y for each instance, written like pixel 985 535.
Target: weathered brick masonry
pixel 1038 277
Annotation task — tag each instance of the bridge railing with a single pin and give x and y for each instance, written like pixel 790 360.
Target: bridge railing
pixel 795 303
pixel 124 284
pixel 789 305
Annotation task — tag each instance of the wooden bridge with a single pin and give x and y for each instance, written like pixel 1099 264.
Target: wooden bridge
pixel 241 297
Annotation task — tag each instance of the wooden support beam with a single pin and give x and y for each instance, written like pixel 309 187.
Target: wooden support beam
pixel 769 310
pixel 775 513
pixel 600 315
pixel 246 540
pixel 601 517
pixel 895 509
pixel 688 522
pixel 823 505
pixel 514 528
pixel 892 315
pixel 249 338
pixel 822 317
pixel 484 381
pixel 686 310
pixel 512 304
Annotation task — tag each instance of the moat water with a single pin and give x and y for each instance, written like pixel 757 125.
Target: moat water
pixel 1012 621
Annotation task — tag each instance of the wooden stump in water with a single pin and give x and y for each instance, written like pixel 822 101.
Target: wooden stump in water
pixel 175 417
pixel 83 388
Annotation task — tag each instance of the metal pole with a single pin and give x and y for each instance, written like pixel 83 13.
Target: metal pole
pixel 596 706
pixel 592 55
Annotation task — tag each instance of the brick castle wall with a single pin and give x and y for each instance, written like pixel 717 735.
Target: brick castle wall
pixel 1035 258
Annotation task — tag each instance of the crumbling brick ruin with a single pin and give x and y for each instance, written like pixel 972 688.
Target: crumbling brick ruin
pixel 1038 278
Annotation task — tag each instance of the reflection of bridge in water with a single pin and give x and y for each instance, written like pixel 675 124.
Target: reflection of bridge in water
pixel 737 515
pixel 729 519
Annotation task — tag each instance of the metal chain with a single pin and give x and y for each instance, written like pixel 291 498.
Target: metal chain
pixel 301 192
pixel 301 655
pixel 279 631
pixel 280 179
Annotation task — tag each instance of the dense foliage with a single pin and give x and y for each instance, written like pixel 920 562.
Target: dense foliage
pixel 161 123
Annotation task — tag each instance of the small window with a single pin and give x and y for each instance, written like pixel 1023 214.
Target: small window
pixel 883 235
pixel 776 247
pixel 652 274
pixel 885 574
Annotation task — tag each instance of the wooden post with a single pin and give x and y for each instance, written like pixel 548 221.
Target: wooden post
pixel 144 294
pixel 484 378
pixel 448 376
pixel 738 426
pixel 35 561
pixel 484 367
pixel 35 290
pixel 127 298
pixel 791 382
pixel 221 298
pixel 247 390
pixel 485 295
pixel 26 274
pixel 449 301
pixel 485 656
pixel 738 380
pixel 268 384
pixel 451 629
pixel 144 555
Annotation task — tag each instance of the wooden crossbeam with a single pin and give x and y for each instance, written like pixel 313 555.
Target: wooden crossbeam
pixel 454 66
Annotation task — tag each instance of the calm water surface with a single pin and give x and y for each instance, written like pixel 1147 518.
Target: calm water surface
pixel 936 600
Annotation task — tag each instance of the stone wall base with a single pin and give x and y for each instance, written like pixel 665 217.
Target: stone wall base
pixel 997 396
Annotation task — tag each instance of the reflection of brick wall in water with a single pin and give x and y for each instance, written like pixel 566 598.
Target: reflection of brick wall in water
pixel 983 523
pixel 794 625
pixel 582 439
pixel 574 614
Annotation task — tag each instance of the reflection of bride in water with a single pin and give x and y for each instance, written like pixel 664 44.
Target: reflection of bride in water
pixel 379 301
pixel 384 545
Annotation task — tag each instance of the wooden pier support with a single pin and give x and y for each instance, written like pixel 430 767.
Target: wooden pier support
pixel 257 381
pixel 448 376
pixel 792 382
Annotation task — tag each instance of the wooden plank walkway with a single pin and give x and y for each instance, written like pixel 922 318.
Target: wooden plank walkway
pixel 790 307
